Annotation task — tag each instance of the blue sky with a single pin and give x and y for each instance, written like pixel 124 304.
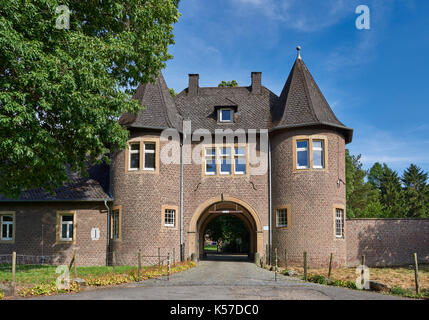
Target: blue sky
pixel 376 81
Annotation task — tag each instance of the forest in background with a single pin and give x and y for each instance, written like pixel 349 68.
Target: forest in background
pixel 381 192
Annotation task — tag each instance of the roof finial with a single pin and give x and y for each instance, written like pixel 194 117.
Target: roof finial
pixel 299 53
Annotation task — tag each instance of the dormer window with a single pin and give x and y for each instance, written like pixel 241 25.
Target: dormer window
pixel 226 115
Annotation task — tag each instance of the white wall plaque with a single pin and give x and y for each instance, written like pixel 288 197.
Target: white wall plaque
pixel 95 234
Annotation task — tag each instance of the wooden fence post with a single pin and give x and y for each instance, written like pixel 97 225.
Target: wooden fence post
pixel 285 259
pixel 168 266
pixel 74 264
pixel 305 266
pixel 140 263
pixel 416 273
pixel 276 262
pixel 114 261
pixel 330 266
pixel 13 271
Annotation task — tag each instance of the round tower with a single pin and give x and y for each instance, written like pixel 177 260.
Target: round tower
pixel 308 174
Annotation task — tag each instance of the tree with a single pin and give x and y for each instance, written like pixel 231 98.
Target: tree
pixel 362 198
pixel 227 229
pixel 392 195
pixel 416 191
pixel 172 92
pixel 63 90
pixel 229 84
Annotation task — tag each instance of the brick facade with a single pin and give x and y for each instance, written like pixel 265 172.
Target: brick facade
pixel 312 196
pixel 387 242
pixel 35 219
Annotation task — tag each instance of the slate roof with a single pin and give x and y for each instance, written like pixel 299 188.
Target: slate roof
pixel 159 110
pixel 95 187
pixel 301 104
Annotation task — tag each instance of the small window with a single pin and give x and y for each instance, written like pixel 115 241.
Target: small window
pixel 302 154
pixel 134 156
pixel 67 227
pixel 149 156
pixel 240 160
pixel 169 218
pixel 210 159
pixel 225 164
pixel 226 115
pixel 318 154
pixel 7 227
pixel 115 224
pixel 339 223
pixel 282 218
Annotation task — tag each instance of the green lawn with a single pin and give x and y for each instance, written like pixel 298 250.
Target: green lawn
pixel 210 248
pixel 42 273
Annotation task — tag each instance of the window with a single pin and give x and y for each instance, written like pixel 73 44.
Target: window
pixel 310 153
pixel 282 220
pixel 318 154
pixel 302 154
pixel 210 160
pixel 116 223
pixel 134 156
pixel 6 227
pixel 149 156
pixel 240 160
pixel 225 160
pixel 169 218
pixel 226 115
pixel 67 225
pixel 225 163
pixel 339 223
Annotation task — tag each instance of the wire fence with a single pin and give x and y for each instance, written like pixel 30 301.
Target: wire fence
pixel 19 268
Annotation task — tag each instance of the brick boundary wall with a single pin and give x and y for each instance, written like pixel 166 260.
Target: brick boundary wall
pixel 387 242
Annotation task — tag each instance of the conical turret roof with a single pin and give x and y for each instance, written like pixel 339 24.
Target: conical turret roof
pixel 159 110
pixel 302 104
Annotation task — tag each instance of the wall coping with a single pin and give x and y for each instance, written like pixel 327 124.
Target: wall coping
pixel 384 219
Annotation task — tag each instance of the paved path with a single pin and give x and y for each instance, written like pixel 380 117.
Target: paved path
pixel 223 280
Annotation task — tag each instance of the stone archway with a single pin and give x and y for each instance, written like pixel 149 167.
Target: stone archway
pixel 217 206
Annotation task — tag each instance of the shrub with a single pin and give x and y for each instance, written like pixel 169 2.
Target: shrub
pixel 1 294
pixel 317 279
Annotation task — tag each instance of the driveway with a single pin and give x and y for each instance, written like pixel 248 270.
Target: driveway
pixel 233 278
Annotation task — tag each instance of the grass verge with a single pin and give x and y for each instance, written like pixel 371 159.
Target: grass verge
pixel 41 280
pixel 400 279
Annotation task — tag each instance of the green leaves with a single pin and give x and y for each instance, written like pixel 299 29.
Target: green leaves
pixel 385 194
pixel 62 91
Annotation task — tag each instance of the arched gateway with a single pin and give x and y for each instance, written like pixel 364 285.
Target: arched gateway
pixel 224 205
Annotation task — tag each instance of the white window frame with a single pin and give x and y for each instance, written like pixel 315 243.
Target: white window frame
pixel 321 150
pixel 9 227
pixel 149 152
pixel 227 157
pixel 210 156
pixel 238 156
pixel 67 224
pixel 301 149
pixel 231 113
pixel 130 152
pixel 168 212
pixel 279 214
pixel 116 224
pixel 339 223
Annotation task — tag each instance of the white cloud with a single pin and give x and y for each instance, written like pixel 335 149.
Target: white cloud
pixel 397 149
pixel 299 15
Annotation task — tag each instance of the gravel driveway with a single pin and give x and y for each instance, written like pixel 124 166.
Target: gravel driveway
pixel 224 280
